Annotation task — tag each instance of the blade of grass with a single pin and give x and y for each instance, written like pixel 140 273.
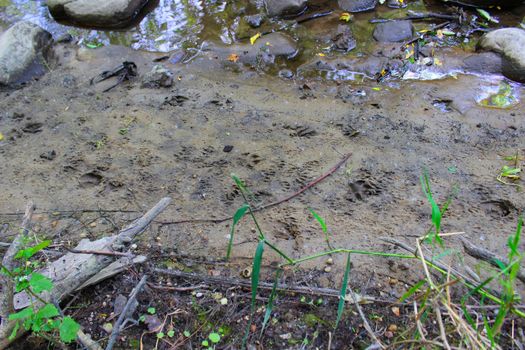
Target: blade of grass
pixel 436 212
pixel 342 295
pixel 239 214
pixel 412 290
pixel 321 222
pixel 269 306
pixel 256 269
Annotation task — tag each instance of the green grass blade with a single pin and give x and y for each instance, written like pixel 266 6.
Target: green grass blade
pixel 412 290
pixel 321 222
pixel 239 214
pixel 319 219
pixel 342 294
pixel 256 269
pixel 436 212
pixel 278 251
pixel 269 306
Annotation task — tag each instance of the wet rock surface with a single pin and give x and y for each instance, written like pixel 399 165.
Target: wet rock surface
pixel 394 31
pixel 22 52
pixel 96 13
pixel 284 8
pixel 489 3
pixel 357 5
pixel 264 51
pixel 510 44
pixel 343 39
pixel 159 76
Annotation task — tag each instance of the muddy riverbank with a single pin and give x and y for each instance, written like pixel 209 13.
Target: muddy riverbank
pixel 73 150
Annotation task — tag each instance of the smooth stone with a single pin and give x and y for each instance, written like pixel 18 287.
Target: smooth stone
pixel 96 13
pixel 510 44
pixel 22 52
pixel 284 8
pixel 394 31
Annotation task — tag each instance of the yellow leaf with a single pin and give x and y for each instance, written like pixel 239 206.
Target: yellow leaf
pixel 254 38
pixel 233 57
pixel 409 54
pixel 321 54
pixel 1 136
pixel 345 16
pixel 376 88
pixel 437 61
pixel 439 34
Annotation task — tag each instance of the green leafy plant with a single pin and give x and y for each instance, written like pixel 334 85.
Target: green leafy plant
pixel 40 317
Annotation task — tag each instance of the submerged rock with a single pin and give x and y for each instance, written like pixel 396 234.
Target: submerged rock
pixel 254 21
pixel 343 39
pixel 487 3
pixel 393 31
pixel 510 44
pixel 357 5
pixel 264 51
pixel 96 13
pixel 159 76
pixel 396 4
pixel 22 51
pixel 483 63
pixel 284 8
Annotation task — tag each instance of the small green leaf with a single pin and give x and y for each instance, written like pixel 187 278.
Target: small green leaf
pixel 214 337
pixel 239 214
pixel 142 318
pixel 171 333
pixel 29 252
pixel 48 311
pixel 68 329
pixel 187 334
pixel 15 331
pixel 487 16
pixel 160 335
pixel 205 343
pixel 151 310
pixel 342 294
pixel 40 283
pixel 269 306
pixel 25 313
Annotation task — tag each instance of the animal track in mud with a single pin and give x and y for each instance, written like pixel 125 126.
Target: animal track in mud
pixel 363 187
pixel 175 101
pixel 301 130
pixel 33 127
pixel 250 160
pixel 498 208
pixel 91 179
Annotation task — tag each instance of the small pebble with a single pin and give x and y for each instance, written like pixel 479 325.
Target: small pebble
pixel 327 269
pixel 227 148
pixel 392 328
pixel 329 261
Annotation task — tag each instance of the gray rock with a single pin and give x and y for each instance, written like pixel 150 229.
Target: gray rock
pixel 396 4
pixel 22 52
pixel 393 31
pixel 254 21
pixel 264 51
pixel 159 76
pixel 96 13
pixel 510 44
pixel 483 63
pixel 357 5
pixel 284 8
pixel 343 39
pixel 489 3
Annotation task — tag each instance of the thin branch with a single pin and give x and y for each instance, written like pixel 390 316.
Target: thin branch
pixel 269 205
pixel 125 312
pixel 488 256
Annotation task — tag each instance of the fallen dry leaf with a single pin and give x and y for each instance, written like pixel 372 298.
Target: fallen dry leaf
pixel 233 57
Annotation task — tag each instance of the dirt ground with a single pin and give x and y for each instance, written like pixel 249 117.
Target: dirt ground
pixel 93 161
